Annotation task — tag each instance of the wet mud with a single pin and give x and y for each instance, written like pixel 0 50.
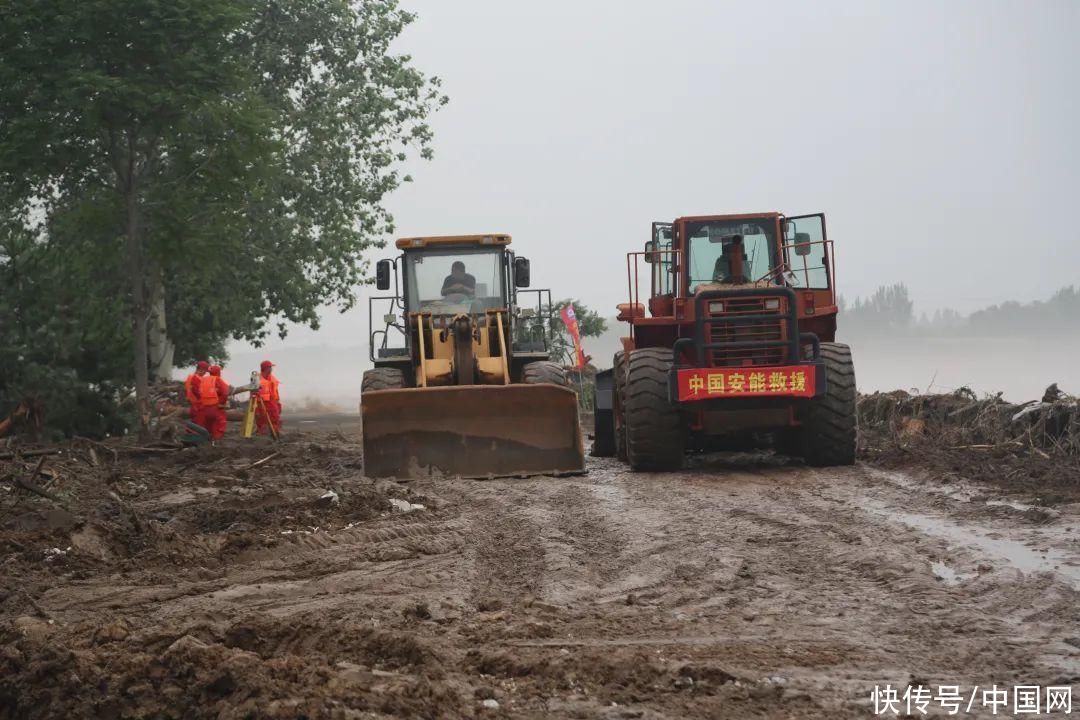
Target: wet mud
pixel 195 585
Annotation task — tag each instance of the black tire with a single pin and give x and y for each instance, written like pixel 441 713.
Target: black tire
pixel 830 424
pixel 655 440
pixel 382 378
pixel 544 371
pixel 618 364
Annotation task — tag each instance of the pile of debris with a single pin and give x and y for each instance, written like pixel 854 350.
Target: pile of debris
pixel 986 436
pixel 1050 426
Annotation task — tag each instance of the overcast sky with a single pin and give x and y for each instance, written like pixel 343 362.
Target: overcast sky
pixel 940 138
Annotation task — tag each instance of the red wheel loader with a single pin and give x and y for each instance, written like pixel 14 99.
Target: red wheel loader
pixel 736 340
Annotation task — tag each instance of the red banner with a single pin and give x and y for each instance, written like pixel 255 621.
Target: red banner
pixel 786 381
pixel 570 320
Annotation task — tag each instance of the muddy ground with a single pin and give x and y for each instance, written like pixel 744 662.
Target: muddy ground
pixel 191 584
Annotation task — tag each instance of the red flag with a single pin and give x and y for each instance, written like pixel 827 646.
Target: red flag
pixel 570 320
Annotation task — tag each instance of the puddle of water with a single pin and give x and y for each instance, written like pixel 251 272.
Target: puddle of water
pixel 946 573
pixel 1022 507
pixel 1013 552
pixel 954 492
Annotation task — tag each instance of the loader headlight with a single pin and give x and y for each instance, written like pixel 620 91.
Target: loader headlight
pixel 716 308
pixel 772 304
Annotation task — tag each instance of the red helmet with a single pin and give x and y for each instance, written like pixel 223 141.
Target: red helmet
pixel 215 370
pixel 202 365
pixel 266 365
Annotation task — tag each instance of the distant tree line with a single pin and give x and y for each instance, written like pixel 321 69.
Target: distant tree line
pixel 890 310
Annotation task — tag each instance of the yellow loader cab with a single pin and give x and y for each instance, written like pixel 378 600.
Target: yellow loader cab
pixel 463 383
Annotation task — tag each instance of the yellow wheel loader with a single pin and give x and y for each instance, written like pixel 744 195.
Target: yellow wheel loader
pixel 463 384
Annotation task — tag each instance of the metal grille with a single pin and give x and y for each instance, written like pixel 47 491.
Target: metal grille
pixel 731 326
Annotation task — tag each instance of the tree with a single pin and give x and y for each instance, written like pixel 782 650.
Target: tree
pixel 889 309
pixel 231 156
pixel 56 316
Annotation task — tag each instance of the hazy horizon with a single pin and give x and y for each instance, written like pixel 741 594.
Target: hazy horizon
pixel 936 137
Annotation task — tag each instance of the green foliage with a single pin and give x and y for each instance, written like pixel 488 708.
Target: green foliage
pixel 244 148
pixel 59 319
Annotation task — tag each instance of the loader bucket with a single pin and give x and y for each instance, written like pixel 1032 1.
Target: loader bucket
pixel 472 431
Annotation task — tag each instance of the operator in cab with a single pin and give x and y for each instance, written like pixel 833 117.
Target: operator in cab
pixel 730 266
pixel 459 282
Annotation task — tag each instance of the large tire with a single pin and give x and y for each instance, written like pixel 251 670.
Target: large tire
pixel 544 371
pixel 830 424
pixel 655 440
pixel 382 378
pixel 618 365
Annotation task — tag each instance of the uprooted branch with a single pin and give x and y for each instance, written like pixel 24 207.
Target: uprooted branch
pixel 29 485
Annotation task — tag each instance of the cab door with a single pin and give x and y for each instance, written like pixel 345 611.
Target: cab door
pixel 807 253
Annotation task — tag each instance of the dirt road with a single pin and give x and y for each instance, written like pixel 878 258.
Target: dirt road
pixel 743 587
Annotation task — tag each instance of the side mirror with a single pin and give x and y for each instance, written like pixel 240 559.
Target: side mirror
pixel 521 272
pixel 802 244
pixel 382 275
pixel 650 252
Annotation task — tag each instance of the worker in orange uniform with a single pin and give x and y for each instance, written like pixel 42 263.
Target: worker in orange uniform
pixel 268 412
pixel 222 390
pixel 191 390
pixel 211 416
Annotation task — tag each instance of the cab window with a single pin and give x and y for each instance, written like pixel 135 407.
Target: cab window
pixel 711 245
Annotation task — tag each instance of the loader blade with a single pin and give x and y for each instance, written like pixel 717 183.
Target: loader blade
pixel 473 431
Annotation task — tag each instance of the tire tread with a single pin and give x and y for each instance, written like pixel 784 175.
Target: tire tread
pixel 654 428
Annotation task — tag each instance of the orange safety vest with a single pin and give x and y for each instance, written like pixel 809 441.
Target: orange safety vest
pixel 223 391
pixel 208 390
pixel 268 389
pixel 189 388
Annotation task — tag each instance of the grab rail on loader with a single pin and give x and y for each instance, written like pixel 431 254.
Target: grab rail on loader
pixel 801 273
pixel 663 273
pixel 532 323
pixel 393 321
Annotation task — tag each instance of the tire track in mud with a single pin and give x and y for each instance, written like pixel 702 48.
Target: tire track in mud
pixel 882 583
pixel 807 570
pixel 506 552
pixel 396 557
pixel 582 544
pixel 541 540
pixel 672 595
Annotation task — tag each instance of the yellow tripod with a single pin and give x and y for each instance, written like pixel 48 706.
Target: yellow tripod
pixel 256 405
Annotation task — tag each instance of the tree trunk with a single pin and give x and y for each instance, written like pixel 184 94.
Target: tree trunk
pixel 161 348
pixel 138 307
